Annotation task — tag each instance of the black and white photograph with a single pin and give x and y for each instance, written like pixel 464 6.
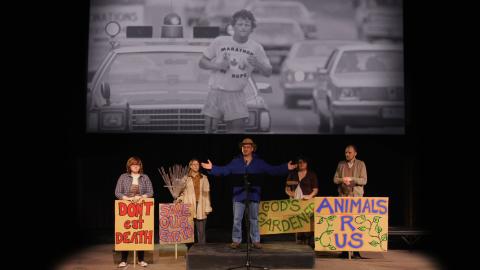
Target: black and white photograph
pixel 337 67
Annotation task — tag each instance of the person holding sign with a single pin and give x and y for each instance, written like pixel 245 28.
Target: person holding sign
pixel 133 186
pixel 197 194
pixel 302 184
pixel 351 177
pixel 251 168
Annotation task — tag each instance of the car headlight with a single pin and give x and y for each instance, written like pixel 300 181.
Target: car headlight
pixel 113 120
pixel 310 76
pixel 264 121
pixel 348 94
pixel 299 76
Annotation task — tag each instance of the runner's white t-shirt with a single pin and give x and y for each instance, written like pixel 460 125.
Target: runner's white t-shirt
pixel 236 77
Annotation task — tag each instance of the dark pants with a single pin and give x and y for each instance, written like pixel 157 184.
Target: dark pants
pixel 200 225
pixel 140 253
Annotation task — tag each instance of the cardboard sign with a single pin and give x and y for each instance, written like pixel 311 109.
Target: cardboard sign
pixel 176 223
pixel 285 216
pixel 351 224
pixel 134 225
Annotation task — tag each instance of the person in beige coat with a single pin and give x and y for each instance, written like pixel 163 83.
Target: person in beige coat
pixel 351 177
pixel 197 193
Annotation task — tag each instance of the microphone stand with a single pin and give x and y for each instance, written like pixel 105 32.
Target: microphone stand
pixel 246 217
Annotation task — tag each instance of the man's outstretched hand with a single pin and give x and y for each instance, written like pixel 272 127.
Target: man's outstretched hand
pixel 291 165
pixel 208 165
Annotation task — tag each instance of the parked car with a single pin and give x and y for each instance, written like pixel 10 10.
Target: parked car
pixel 361 86
pixel 379 19
pixel 298 72
pixel 277 35
pixel 157 86
pixel 286 9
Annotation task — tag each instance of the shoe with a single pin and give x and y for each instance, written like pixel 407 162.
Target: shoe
pixel 356 255
pixel 234 245
pixel 122 264
pixel 257 245
pixel 143 264
pixel 343 255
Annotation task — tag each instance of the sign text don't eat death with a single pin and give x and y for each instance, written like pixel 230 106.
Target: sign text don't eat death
pixel 134 225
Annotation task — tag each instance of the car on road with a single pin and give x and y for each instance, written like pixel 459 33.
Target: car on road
pixel 298 72
pixel 379 19
pixel 277 35
pixel 157 86
pixel 361 86
pixel 286 9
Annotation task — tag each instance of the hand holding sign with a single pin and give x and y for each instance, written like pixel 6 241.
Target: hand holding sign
pixel 306 197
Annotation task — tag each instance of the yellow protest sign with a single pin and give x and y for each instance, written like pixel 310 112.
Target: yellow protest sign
pixel 351 224
pixel 134 225
pixel 285 216
pixel 176 223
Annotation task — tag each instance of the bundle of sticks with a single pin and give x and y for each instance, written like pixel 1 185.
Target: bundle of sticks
pixel 174 179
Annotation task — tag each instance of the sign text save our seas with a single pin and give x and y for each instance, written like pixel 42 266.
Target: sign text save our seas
pixel 134 225
pixel 351 223
pixel 176 223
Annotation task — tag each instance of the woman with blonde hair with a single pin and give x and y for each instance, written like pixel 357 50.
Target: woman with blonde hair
pixel 197 194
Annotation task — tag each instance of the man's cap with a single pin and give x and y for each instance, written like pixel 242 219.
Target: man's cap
pixel 248 141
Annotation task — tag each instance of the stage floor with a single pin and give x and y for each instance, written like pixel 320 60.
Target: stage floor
pixel 163 257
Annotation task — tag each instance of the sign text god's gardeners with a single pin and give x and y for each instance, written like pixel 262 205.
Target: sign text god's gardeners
pixel 285 216
pixel 351 223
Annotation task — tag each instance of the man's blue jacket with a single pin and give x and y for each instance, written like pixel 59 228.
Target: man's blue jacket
pixel 254 172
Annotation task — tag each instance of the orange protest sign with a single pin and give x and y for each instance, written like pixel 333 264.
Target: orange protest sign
pixel 351 224
pixel 134 226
